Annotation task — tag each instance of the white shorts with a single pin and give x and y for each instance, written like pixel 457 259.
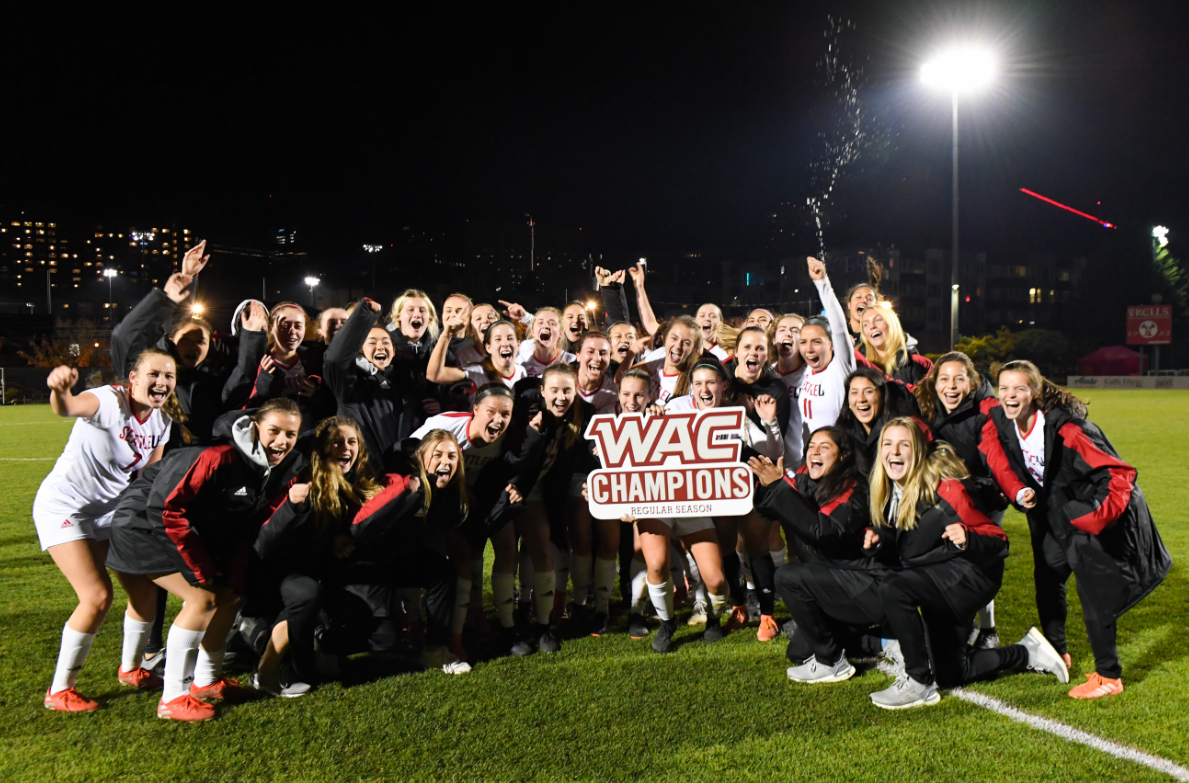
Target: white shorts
pixel 687 526
pixel 57 525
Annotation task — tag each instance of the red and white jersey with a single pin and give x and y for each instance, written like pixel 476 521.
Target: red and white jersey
pixel 821 395
pixel 663 382
pixel 793 434
pixel 474 455
pixel 102 453
pixel 478 376
pixel 1032 444
pixel 605 398
pixel 792 381
pixel 719 353
pixel 294 375
pixel 534 368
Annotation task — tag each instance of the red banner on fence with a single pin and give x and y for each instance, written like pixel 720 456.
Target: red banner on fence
pixel 1149 324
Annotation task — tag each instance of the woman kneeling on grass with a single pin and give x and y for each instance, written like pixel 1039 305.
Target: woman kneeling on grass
pixel 118 430
pixel 201 516
pixel 1086 514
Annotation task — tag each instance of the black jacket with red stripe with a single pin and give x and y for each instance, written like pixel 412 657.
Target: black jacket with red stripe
pixel 965 429
pixel 1090 502
pixel 831 533
pixel 244 391
pixel 212 502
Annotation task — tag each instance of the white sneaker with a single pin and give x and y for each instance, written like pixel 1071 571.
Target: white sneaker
pixel 906 692
pixel 698 617
pixel 442 658
pixel 813 671
pixel 278 685
pixel 1042 656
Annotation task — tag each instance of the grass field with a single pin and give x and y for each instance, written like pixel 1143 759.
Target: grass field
pixel 607 708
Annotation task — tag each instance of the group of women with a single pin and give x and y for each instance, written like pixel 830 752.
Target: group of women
pixel 309 499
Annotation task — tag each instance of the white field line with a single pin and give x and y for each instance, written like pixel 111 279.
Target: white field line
pixel 1074 735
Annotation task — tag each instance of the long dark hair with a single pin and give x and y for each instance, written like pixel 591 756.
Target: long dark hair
pixel 894 399
pixel 846 469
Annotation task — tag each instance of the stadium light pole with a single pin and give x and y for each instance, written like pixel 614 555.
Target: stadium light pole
pixel 109 274
pixel 312 282
pixel 959 70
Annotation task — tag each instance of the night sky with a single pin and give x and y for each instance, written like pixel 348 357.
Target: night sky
pixel 663 128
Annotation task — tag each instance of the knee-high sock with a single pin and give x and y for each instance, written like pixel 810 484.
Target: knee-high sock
pixel 72 654
pixel 524 573
pixel 745 568
pixel 676 565
pixel 208 667
pixel 604 583
pixel 662 599
pixel 779 557
pixel 136 634
pixel 731 572
pixel 717 604
pixel 501 595
pixel 156 637
pixel 695 578
pixel 561 567
pixel 544 587
pixel 764 573
pixel 462 599
pixel 639 572
pixel 477 583
pixel 580 574
pixel 410 598
pixel 986 616
pixel 181 654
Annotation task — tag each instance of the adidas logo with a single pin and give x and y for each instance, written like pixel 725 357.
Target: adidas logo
pixel 66 523
pixel 242 492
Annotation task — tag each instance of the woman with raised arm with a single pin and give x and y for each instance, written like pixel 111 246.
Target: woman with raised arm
pixel 872 400
pixel 117 431
pixel 194 538
pixel 1086 514
pixel 885 347
pixel 829 357
pixel 500 346
pixel 681 350
pixel 612 298
pixel 543 349
pixel 643 305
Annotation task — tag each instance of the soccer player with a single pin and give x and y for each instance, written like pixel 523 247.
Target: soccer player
pixel 498 365
pixel 829 357
pixel 543 349
pixel 872 400
pixel 681 350
pixel 884 345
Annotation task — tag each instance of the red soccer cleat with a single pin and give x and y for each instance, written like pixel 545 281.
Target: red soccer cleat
pixel 1097 686
pixel 141 678
pixel 736 620
pixel 185 707
pixel 69 700
pixel 223 689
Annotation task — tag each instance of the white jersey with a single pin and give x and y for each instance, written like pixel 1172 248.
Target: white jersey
pixel 474 455
pixel 478 376
pixel 533 368
pixel 604 398
pixel 822 394
pixel 1033 446
pixel 794 442
pixel 664 383
pixel 103 452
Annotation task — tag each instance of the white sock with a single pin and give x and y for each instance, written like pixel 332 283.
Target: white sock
pixel 639 574
pixel 477 582
pixel 718 603
pixel 208 667
pixel 524 571
pixel 986 617
pixel 181 652
pixel 76 645
pixel 561 567
pixel 544 584
pixel 136 635
pixel 662 599
pixel 580 573
pixel 695 578
pixel 604 583
pixel 462 598
pixel 501 595
pixel 780 556
pixel 745 566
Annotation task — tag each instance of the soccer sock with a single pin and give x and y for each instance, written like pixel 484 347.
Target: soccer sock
pixel 462 599
pixel 524 570
pixel 765 577
pixel 604 582
pixel 639 572
pixel 780 557
pixel 662 599
pixel 676 565
pixel 501 594
pixel 986 617
pixel 580 573
pixel 745 569
pixel 544 584
pixel 730 570
pixel 477 583
pixel 156 643
pixel 181 653
pixel 207 667
pixel 71 656
pixel 136 634
pixel 718 604
pixel 561 567
pixel 695 578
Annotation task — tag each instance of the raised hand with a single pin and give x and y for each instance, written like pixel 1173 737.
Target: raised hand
pixel 194 260
pixel 766 407
pixel 767 472
pixel 817 269
pixel 454 321
pixel 372 305
pixel 62 379
pixel 536 422
pixel 513 310
pixel 175 287
pixel 619 276
pixel 267 364
pixel 298 493
pixel 637 272
pixel 602 276
pixel 640 345
pixel 254 318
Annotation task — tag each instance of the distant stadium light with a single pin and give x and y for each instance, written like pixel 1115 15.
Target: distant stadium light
pixel 1160 234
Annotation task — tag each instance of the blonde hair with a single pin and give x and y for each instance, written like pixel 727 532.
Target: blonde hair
pixel 172 405
pixel 460 478
pixel 694 356
pixel 773 354
pixel 274 318
pixel 328 485
pixel 433 329
pixel 888 359
pixel 574 421
pixel 925 473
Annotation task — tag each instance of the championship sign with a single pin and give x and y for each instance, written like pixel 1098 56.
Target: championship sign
pixel 676 465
